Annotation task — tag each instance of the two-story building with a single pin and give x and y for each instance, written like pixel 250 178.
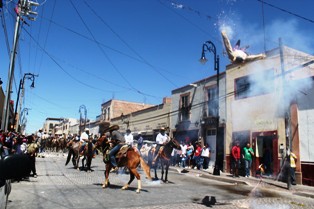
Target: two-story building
pixel 195 110
pixel 117 108
pixel 267 104
pixel 147 121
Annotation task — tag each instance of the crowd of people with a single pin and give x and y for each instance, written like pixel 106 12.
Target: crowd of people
pixel 12 143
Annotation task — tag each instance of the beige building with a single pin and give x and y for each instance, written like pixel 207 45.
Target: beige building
pixel 117 108
pixel 146 121
pixel 261 107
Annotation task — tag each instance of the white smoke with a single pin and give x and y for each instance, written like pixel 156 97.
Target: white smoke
pixel 293 37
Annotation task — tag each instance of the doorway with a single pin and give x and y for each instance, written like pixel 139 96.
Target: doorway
pixel 266 151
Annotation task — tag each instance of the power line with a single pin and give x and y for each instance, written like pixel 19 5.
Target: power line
pixel 286 11
pixel 107 57
pixel 128 45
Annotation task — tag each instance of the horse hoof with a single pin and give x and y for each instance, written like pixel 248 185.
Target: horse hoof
pixel 138 191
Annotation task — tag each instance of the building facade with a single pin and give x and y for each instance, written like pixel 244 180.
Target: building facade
pixel 117 108
pixel 147 121
pixel 262 108
pixel 195 110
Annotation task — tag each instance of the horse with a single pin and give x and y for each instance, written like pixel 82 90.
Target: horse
pixel 131 160
pixel 74 149
pixel 164 156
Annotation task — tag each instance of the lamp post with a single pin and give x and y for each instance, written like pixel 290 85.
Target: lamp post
pixel 82 107
pixel 208 46
pixel 23 119
pixel 31 77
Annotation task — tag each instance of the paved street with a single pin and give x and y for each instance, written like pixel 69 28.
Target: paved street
pixel 60 186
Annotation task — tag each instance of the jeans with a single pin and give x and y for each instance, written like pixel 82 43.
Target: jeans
pixel 183 160
pixel 248 164
pixel 113 153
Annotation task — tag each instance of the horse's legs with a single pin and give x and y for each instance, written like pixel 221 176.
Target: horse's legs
pixel 167 168
pixel 155 165
pixel 134 173
pixel 155 169
pixel 106 182
pixel 78 162
pixel 162 169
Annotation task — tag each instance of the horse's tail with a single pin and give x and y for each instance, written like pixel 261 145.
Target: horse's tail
pixel 146 168
pixel 69 156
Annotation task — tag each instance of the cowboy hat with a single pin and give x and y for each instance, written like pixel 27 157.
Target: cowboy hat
pixel 112 128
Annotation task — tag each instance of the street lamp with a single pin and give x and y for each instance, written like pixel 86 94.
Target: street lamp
pixel 82 107
pixel 31 77
pixel 23 119
pixel 208 46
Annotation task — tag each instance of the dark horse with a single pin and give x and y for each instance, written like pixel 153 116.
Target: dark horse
pixel 164 156
pixel 131 159
pixel 74 149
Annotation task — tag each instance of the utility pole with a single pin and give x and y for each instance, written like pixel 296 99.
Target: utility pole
pixel 23 8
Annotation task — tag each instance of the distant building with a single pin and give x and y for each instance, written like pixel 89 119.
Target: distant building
pixel 117 108
pixel 147 121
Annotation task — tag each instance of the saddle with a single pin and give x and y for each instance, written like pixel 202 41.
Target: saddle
pixel 121 153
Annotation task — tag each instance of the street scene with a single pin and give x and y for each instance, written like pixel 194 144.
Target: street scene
pixel 156 104
pixel 60 186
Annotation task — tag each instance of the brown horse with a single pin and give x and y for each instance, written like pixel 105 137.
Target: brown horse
pixel 74 151
pixel 74 147
pixel 164 156
pixel 131 159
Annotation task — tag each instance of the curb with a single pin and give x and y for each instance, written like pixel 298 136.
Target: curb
pixel 210 176
pixel 231 180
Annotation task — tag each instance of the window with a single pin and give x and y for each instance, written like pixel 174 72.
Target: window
pixel 212 102
pixel 50 126
pixel 211 132
pixel 108 113
pixel 105 114
pixel 255 84
pixel 185 107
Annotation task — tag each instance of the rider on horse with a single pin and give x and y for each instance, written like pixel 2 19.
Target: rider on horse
pixel 84 140
pixel 118 141
pixel 161 140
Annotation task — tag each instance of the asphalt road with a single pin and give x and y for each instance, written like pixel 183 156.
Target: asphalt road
pixel 60 186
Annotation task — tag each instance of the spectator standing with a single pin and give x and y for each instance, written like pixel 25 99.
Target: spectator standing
pixel 189 153
pixel 248 153
pixel 173 159
pixel 293 159
pixel 140 142
pixel 197 156
pixel 236 154
pixel 183 154
pixel 32 150
pixel 205 156
pixel 129 138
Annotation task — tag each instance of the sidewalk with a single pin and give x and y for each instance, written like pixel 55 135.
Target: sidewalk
pixel 300 190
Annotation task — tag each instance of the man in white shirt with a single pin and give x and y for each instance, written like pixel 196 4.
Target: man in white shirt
pixel 84 139
pixel 161 140
pixel 128 137
pixel 183 154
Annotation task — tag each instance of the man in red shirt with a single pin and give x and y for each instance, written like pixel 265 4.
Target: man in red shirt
pixel 236 153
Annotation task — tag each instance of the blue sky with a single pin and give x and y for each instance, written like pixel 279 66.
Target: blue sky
pixel 87 52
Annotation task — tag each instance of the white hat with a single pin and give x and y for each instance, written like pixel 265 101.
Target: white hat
pixel 86 129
